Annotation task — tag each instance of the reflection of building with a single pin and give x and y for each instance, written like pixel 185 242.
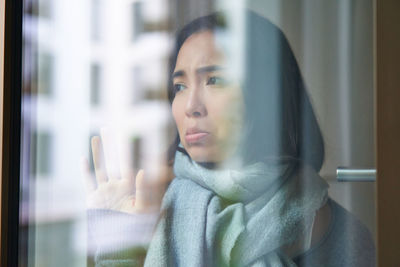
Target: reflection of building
pixel 104 66
pixel 128 71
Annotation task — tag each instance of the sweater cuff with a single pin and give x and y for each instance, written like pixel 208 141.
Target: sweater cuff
pixel 114 232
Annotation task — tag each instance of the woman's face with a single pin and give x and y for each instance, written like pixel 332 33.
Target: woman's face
pixel 208 104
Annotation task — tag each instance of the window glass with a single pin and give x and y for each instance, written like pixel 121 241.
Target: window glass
pixel 202 133
pixel 41 154
pixel 96 19
pixel 95 84
pixel 46 68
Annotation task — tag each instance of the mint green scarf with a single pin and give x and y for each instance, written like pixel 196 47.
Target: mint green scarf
pixel 234 217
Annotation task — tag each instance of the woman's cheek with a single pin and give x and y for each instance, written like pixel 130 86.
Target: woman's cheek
pixel 177 108
pixel 224 122
pixel 231 121
pixel 178 114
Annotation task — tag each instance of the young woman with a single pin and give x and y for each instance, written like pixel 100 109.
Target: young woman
pixel 246 159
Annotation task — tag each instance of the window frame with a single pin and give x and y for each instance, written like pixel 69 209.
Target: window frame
pixel 11 131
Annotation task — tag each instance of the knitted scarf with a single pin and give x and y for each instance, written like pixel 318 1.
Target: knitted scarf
pixel 234 217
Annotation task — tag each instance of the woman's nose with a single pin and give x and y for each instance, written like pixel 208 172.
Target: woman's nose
pixel 195 106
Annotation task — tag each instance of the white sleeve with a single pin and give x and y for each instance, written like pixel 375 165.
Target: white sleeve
pixel 112 232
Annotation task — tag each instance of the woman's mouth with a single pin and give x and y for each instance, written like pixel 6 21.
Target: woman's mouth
pixel 194 136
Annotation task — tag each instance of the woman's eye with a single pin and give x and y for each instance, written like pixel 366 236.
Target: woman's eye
pixel 216 81
pixel 179 87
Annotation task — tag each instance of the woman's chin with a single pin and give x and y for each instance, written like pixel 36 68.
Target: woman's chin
pixel 203 155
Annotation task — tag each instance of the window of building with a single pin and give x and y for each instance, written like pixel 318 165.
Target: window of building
pixel 45 73
pixel 95 84
pixel 136 145
pixel 41 153
pixel 137 84
pixel 137 19
pixel 39 8
pixel 144 21
pixel 95 20
pixel 146 83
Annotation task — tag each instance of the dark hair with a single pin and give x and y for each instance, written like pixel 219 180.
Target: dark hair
pixel 279 121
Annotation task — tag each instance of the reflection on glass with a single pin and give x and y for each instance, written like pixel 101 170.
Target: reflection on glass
pixel 137 19
pixel 45 71
pixel 41 145
pixel 215 110
pixel 96 19
pixel 95 84
pixel 137 152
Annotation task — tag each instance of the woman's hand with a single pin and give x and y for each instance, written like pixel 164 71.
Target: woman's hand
pixel 124 192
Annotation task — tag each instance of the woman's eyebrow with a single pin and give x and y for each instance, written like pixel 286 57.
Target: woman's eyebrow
pixel 178 73
pixel 211 68
pixel 200 70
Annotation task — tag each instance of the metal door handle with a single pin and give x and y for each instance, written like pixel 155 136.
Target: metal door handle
pixel 344 174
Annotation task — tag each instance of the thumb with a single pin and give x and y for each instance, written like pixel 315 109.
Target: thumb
pixel 140 199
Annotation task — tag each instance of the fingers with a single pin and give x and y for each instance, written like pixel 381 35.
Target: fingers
pixel 110 153
pixel 157 186
pixel 90 183
pixel 140 199
pixel 96 153
pixel 105 158
pixel 148 194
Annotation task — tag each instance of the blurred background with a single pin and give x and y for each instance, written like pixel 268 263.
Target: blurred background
pixel 89 64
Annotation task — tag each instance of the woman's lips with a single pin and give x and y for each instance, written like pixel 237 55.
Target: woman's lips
pixel 195 137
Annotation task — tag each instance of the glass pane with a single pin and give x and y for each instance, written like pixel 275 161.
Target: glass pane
pixel 238 112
